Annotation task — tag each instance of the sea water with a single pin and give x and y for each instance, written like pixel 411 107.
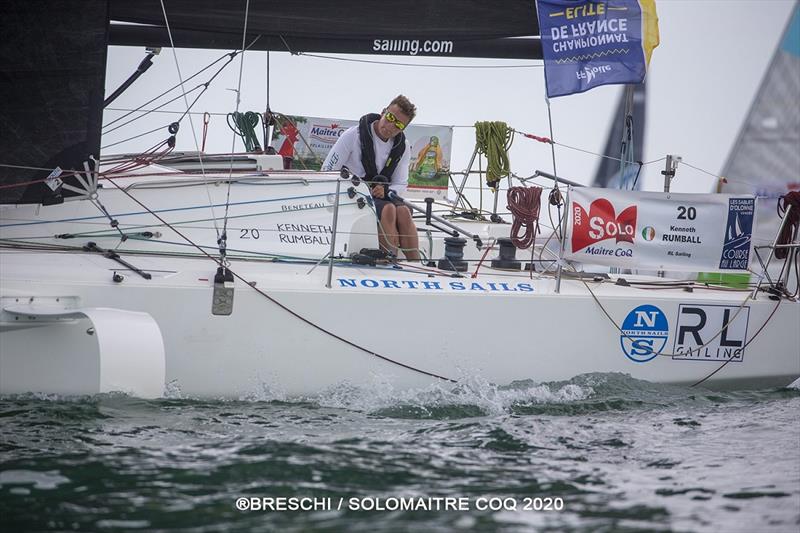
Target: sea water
pixel 601 452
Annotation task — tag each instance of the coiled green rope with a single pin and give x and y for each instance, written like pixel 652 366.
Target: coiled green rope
pixel 493 139
pixel 244 125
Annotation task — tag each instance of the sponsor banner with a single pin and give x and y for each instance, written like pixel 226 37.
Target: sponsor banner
pixel 307 140
pixel 664 231
pixel 588 43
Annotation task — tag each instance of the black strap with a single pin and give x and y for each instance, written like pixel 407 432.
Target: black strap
pixel 368 149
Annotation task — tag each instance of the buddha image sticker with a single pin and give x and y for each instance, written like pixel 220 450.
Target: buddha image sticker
pixel 644 333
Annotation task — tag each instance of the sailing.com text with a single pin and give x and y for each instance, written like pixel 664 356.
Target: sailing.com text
pixel 412 46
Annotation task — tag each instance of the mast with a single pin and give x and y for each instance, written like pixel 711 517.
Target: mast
pixel 624 142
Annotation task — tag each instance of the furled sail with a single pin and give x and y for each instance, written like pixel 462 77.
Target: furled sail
pixel 443 46
pixel 465 19
pixel 450 28
pixel 765 160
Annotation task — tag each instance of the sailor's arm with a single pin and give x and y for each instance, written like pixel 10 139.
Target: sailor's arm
pixel 340 152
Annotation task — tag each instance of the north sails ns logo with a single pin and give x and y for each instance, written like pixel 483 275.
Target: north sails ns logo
pixel 644 333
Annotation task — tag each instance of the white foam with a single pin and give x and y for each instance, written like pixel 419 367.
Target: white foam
pixel 472 391
pixel 39 480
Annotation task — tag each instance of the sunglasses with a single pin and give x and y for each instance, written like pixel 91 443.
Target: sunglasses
pixel 394 120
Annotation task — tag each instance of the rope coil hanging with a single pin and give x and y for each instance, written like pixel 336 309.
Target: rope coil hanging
pixel 524 204
pixel 493 139
pixel 244 125
pixel 792 225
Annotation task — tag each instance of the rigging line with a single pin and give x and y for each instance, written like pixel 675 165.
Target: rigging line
pixel 188 108
pixel 255 256
pixel 396 63
pixel 268 120
pixel 145 113
pixel 701 170
pixel 485 253
pixel 114 224
pixel 132 138
pixel 222 239
pixel 288 48
pixel 23 167
pixel 205 86
pixel 267 87
pixel 177 209
pixel 31 182
pixel 552 144
pixel 723 365
pixel 157 110
pixel 229 55
pixel 277 303
pixel 654 161
pixel 604 156
pixel 555 194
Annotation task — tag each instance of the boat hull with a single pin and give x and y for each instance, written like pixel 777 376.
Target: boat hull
pixel 289 335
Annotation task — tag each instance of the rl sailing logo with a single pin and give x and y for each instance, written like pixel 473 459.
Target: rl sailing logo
pixel 601 223
pixel 644 333
pixel 711 333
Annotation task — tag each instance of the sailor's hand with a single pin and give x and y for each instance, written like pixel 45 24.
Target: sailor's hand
pixel 377 191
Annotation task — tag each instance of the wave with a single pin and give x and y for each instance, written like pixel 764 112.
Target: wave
pixel 471 397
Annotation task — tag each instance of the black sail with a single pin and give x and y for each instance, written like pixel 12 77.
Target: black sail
pixel 445 28
pixel 53 55
pixel 407 19
pixel 52 78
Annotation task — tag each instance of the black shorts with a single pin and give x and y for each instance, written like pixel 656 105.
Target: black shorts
pixel 380 203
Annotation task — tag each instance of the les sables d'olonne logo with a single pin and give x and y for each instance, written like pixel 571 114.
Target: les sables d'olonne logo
pixel 601 223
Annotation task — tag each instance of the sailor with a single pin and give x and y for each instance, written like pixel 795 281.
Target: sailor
pixel 377 147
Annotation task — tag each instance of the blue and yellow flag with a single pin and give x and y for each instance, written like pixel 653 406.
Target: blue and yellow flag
pixel 587 43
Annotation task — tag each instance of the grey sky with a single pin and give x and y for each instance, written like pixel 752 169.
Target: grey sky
pixel 702 79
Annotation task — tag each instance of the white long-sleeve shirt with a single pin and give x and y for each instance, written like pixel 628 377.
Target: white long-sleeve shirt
pixel 347 153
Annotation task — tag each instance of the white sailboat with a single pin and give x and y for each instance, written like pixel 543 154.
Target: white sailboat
pixel 121 286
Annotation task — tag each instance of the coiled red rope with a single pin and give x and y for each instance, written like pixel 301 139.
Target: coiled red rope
pixel 792 224
pixel 524 204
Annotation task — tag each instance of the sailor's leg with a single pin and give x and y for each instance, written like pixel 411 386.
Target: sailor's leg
pixel 387 229
pixel 409 240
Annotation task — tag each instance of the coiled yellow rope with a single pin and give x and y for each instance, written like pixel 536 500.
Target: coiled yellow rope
pixel 493 139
